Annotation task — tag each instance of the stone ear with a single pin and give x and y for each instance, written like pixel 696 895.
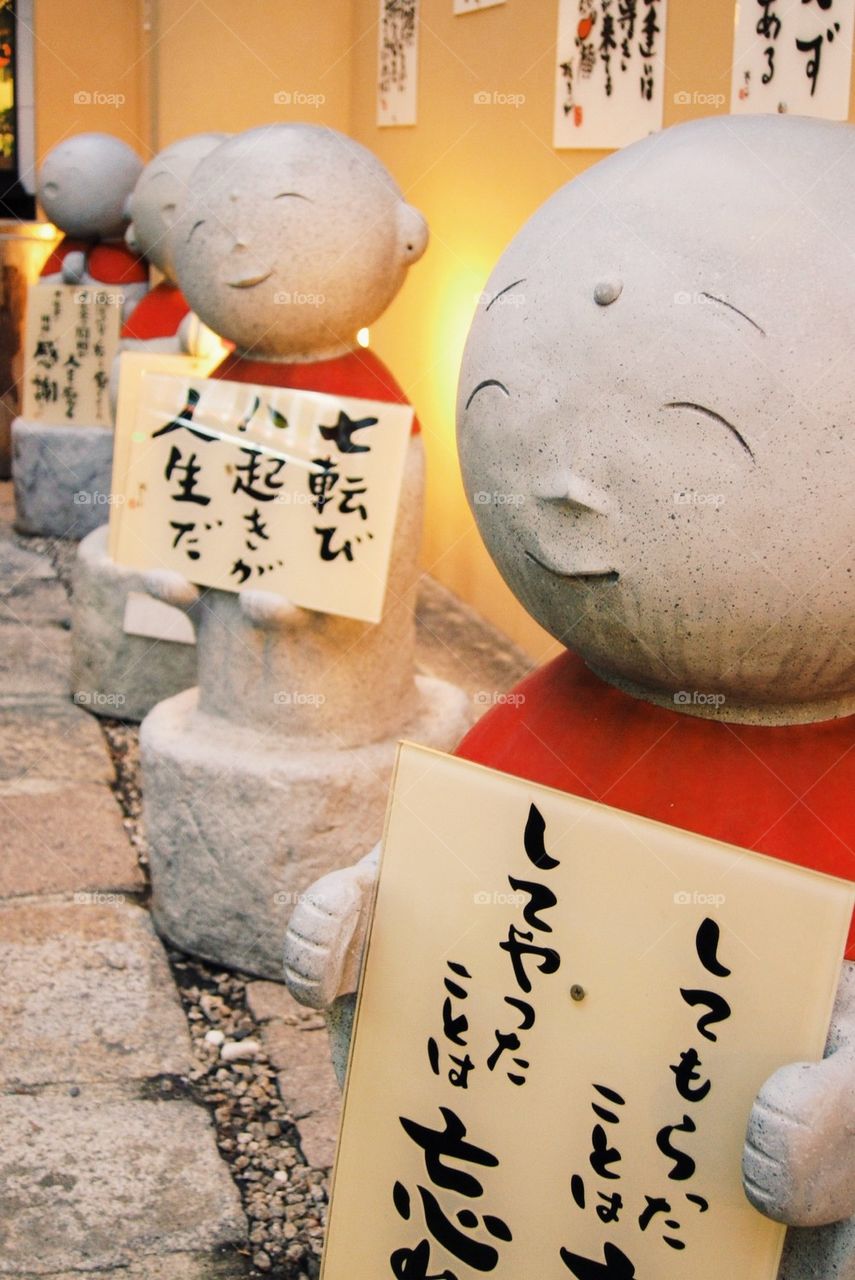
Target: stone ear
pixel 413 233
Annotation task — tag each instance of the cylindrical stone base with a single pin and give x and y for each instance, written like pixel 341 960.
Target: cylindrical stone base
pixel 238 825
pixel 113 673
pixel 62 478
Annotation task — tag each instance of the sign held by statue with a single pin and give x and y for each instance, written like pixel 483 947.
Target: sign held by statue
pixel 563 1090
pixel 238 486
pixel 72 337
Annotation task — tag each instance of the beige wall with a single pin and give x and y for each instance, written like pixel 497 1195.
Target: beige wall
pixel 89 47
pixel 476 171
pixel 180 66
pixel 221 65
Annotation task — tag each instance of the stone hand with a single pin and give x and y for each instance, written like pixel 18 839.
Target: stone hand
pixel 171 587
pixel 189 335
pixel 326 934
pixel 798 1164
pixel 271 612
pixel 73 267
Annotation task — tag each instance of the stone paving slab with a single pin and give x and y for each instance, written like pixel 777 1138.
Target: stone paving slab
pixel 30 592
pixel 34 661
pixel 86 994
pixel 296 1041
pixel 39 603
pixel 101 1180
pixel 50 740
pixel 58 838
pixel 107 1166
pixel 176 1266
pixel 20 567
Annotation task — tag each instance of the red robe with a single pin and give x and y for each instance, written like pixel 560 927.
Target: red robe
pixel 109 262
pixel 358 373
pixel 786 791
pixel 158 315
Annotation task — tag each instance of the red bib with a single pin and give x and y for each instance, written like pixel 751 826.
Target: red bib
pixel 110 262
pixel 158 314
pixel 357 373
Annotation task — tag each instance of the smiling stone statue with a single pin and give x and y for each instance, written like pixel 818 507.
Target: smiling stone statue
pixel 292 239
pixel 163 321
pixel 315 219
pixel 668 403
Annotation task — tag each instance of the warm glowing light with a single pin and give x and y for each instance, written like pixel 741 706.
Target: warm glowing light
pixel 207 345
pixel 362 337
pixel 46 231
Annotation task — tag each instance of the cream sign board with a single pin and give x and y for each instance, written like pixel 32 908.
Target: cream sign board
pixel 610 72
pixel 794 58
pixel 397 62
pixel 246 487
pixel 72 336
pixel 566 1013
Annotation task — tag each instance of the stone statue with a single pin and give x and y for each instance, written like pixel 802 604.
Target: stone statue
pixel 62 473
pixel 83 186
pixel 114 672
pixel 163 322
pixel 276 768
pixel 669 399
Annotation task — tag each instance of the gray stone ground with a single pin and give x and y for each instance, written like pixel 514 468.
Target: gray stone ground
pixel 159 1118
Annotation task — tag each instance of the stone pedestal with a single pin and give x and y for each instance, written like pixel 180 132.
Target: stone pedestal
pixel 62 478
pixel 113 673
pixel 238 825
pixel 276 768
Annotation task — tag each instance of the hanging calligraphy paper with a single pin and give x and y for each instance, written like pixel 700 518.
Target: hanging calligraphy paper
pixel 610 72
pixel 794 58
pixel 397 62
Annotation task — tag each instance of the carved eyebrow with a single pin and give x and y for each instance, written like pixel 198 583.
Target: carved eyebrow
pixel 731 307
pixel 716 417
pixel 502 292
pixel 296 194
pixel 488 382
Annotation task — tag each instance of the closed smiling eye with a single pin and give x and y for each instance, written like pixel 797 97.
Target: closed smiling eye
pixel 716 417
pixel 482 386
pixel 296 195
pixel 200 223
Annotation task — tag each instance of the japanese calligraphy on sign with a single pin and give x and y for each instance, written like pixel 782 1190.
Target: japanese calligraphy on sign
pixel 565 1016
pixel 793 58
pixel 240 486
pixel 610 72
pixel 72 336
pixel 397 63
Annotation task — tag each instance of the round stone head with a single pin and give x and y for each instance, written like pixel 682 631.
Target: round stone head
pixel 292 239
pixel 156 200
pixel 84 184
pixel 655 417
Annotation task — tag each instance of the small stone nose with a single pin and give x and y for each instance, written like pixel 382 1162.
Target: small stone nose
pixel 580 494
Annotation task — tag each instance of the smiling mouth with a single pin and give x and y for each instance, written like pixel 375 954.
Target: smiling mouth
pixel 595 575
pixel 249 282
